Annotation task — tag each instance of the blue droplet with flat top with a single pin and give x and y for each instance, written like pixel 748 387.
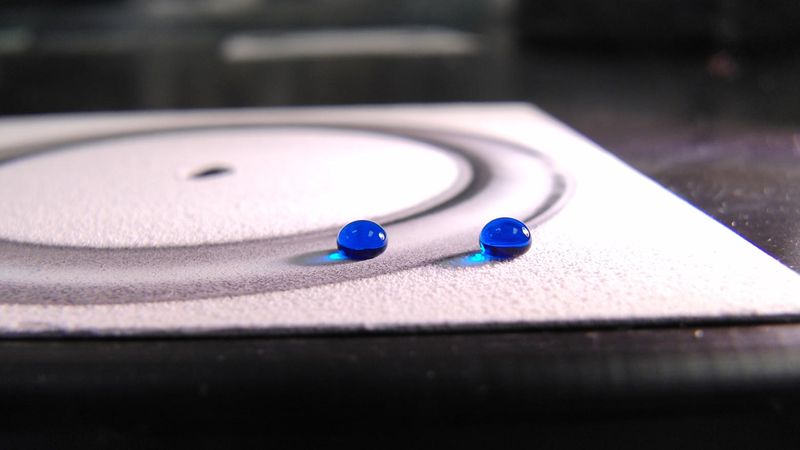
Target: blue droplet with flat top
pixel 362 239
pixel 505 238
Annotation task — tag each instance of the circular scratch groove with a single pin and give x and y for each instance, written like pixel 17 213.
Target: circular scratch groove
pixel 497 179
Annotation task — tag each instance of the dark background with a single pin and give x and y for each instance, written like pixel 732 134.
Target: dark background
pixel 700 95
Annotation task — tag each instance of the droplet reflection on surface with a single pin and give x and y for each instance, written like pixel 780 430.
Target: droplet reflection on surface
pixel 477 258
pixel 336 256
pixel 362 239
pixel 505 237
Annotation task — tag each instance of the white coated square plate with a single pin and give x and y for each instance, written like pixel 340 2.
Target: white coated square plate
pixel 226 221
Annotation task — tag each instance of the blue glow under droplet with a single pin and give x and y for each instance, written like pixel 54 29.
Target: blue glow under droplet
pixel 337 256
pixel 476 258
pixel 505 238
pixel 362 239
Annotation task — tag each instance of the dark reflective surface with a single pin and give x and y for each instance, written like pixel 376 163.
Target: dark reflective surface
pixel 748 179
pixel 710 388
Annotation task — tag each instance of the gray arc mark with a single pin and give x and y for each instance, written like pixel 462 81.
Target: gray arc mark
pixel 498 178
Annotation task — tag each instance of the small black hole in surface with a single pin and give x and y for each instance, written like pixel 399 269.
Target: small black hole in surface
pixel 211 172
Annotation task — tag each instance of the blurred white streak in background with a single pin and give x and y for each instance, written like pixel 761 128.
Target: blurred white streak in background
pixel 408 42
pixel 15 40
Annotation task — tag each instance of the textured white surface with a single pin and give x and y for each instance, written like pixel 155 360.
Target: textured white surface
pixel 138 191
pixel 622 250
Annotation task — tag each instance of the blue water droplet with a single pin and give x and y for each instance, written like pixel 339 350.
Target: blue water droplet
pixel 362 239
pixel 505 238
